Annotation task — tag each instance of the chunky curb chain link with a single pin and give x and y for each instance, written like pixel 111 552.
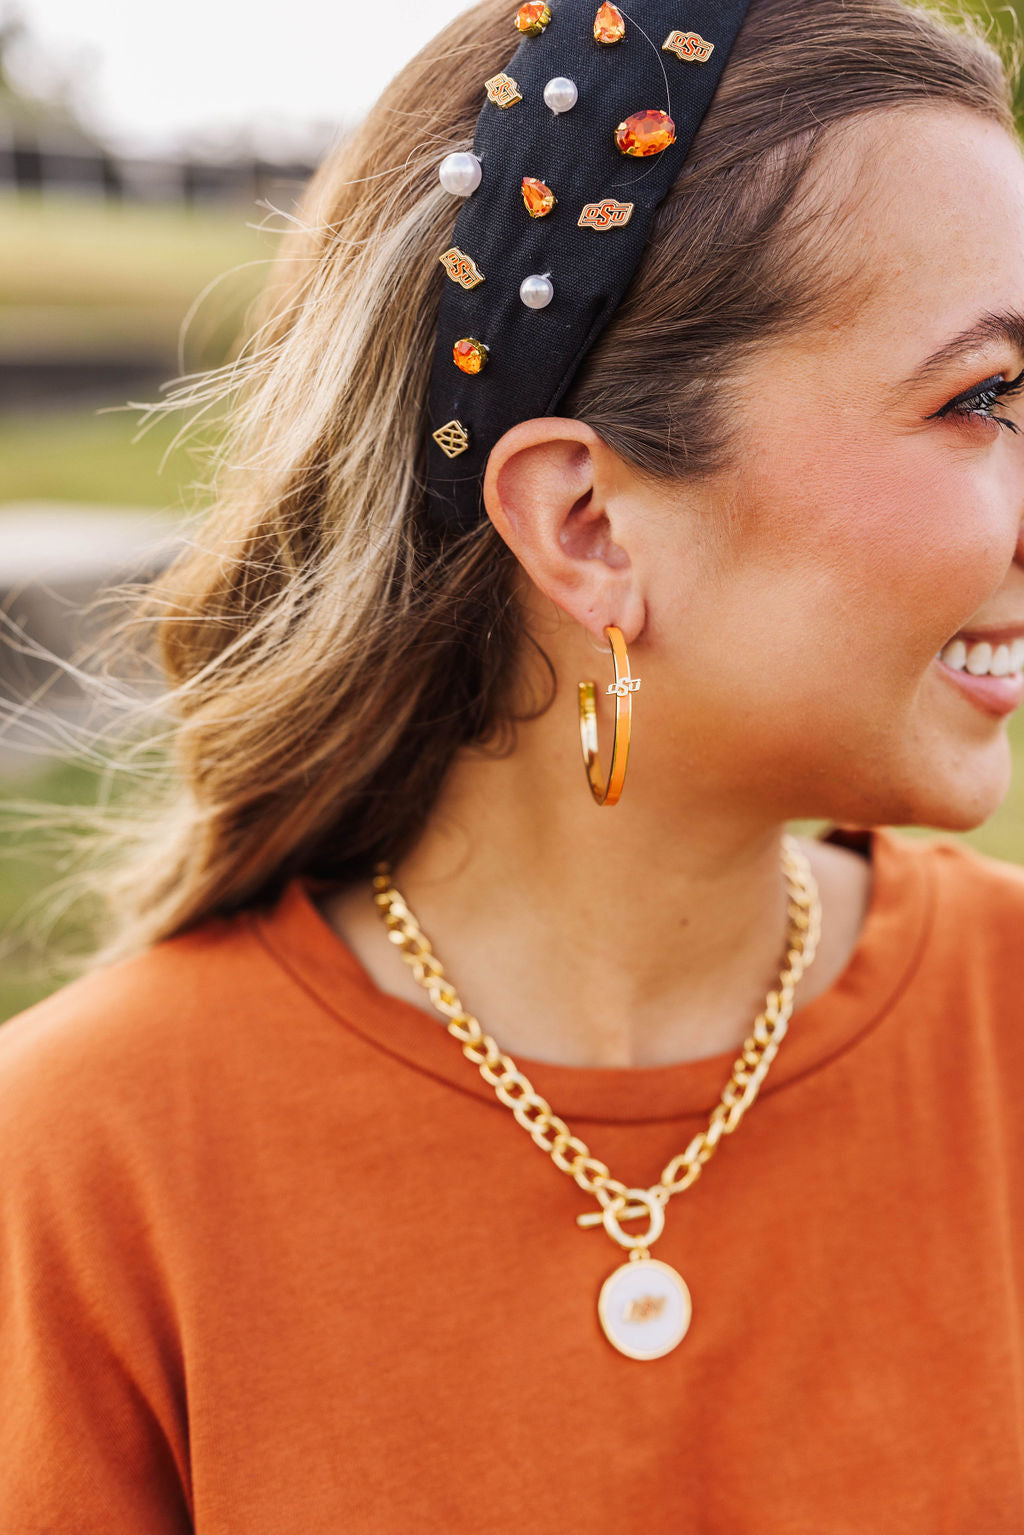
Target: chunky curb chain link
pixel 570 1154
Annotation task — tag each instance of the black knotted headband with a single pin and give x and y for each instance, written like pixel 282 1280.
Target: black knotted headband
pixel 663 60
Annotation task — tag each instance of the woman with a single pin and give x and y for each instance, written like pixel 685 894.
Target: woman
pixel 277 1254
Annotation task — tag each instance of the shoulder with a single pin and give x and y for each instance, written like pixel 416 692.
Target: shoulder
pixel 967 880
pixel 972 955
pixel 124 1045
pixel 949 879
pixel 943 925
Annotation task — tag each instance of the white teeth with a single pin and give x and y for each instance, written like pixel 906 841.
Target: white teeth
pixel 982 659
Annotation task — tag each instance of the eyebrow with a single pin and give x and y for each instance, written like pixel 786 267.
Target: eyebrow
pixel 1007 327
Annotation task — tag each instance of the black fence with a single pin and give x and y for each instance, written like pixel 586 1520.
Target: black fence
pixel 34 167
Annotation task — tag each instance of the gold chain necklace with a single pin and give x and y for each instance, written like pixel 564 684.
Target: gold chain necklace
pixel 644 1305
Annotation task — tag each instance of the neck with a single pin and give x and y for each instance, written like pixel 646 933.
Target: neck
pixel 637 935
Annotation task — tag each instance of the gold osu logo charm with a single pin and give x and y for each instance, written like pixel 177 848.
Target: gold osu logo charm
pixel 688 45
pixel 624 686
pixel 503 91
pixel 461 268
pixel 606 215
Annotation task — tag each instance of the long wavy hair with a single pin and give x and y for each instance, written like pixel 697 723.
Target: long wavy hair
pixel 321 656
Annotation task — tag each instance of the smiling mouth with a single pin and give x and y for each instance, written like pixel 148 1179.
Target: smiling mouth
pixel 989 672
pixel 985 658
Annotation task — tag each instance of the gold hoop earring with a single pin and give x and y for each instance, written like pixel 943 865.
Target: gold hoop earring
pixel 623 688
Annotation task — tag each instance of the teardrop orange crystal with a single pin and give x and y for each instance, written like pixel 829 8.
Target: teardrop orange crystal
pixel 538 197
pixel 470 355
pixel 645 133
pixel 609 26
pixel 532 19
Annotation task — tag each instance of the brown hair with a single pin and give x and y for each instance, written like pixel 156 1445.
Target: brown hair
pixel 325 660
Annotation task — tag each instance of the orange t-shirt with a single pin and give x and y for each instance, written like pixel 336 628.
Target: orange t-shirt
pixel 274 1261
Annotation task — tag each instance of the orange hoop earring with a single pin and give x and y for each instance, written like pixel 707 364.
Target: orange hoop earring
pixel 623 688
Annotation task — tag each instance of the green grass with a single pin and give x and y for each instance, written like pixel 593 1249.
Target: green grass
pixel 29 868
pixel 85 278
pixel 82 279
pixel 83 456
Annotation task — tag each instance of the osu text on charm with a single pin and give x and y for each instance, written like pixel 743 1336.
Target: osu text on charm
pixel 461 268
pixel 503 91
pixel 688 45
pixel 608 214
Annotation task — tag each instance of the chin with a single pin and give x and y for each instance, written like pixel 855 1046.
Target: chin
pixel 946 792
pixel 962 797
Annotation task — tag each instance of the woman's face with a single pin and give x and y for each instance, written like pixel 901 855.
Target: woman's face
pixel 874 522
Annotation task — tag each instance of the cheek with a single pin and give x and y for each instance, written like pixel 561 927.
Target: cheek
pixel 909 536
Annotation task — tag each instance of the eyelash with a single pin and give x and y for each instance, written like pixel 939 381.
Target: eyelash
pixel 966 405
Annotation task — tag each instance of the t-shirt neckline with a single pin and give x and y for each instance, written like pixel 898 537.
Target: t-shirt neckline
pixel 885 957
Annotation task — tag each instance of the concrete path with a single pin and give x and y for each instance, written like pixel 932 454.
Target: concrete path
pixel 50 542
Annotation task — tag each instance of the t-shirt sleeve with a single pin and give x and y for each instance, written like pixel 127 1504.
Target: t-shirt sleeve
pixel 92 1415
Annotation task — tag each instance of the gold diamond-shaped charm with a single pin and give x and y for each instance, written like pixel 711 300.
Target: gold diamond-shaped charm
pixel 503 91
pixel 608 214
pixel 461 268
pixel 452 438
pixel 688 46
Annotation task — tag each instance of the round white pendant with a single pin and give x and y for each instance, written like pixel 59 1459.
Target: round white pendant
pixel 645 1308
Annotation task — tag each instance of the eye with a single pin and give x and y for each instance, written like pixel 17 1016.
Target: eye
pixel 981 400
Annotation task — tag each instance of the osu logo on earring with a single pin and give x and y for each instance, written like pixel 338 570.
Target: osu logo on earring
pixel 623 688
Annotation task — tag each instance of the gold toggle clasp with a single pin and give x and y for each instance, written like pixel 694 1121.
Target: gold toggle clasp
pixel 631 1205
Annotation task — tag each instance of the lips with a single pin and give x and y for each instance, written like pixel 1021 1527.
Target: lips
pixel 997 696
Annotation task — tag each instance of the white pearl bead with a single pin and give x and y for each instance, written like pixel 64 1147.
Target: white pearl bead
pixel 460 174
pixel 560 94
pixel 537 292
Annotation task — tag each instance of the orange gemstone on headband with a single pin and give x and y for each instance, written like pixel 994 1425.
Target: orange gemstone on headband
pixel 532 19
pixel 539 199
pixel 609 26
pixel 470 355
pixel 645 133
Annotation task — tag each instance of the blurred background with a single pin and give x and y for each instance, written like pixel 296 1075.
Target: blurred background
pixel 148 164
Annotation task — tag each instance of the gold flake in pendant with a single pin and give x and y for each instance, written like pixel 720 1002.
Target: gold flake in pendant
pixel 645 1308
pixel 461 268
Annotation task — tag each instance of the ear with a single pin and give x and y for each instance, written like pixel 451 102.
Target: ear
pixel 559 498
